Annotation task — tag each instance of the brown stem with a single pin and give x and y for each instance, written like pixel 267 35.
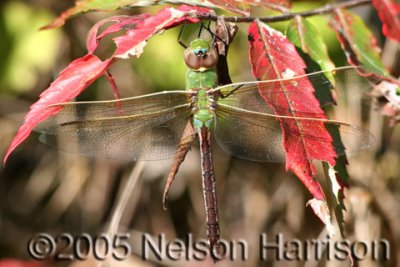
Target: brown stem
pixel 319 11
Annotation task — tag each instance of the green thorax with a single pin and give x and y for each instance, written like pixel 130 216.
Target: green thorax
pixel 203 112
pixel 201 79
pixel 200 82
pixel 201 76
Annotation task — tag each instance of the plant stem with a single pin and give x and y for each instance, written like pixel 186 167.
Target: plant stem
pixel 323 10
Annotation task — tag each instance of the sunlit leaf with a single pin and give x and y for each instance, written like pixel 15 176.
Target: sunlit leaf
pixel 119 22
pixel 337 178
pixel 76 77
pixel 272 56
pixel 133 42
pixel 320 208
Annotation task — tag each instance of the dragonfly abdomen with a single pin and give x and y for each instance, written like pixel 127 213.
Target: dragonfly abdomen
pixel 209 187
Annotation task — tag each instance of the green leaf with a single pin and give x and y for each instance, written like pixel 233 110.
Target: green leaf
pixel 358 42
pixel 314 52
pixel 306 37
pixel 337 178
pixel 312 49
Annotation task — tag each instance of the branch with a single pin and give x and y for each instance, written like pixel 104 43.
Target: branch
pixel 319 11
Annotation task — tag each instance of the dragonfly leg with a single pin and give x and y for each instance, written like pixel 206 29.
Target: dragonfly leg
pixel 231 92
pixel 198 35
pixel 188 137
pixel 207 28
pixel 114 87
pixel 213 35
pixel 200 30
pixel 180 36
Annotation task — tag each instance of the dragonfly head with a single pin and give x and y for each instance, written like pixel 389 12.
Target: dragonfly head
pixel 200 56
pixel 199 47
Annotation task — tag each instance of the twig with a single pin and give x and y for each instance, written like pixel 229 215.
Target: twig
pixel 122 204
pixel 319 11
pixel 124 199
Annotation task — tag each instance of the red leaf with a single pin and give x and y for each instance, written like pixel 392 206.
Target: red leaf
pixel 76 77
pixel 133 42
pixel 272 56
pixel 121 22
pixel 140 28
pixel 389 12
pixel 80 73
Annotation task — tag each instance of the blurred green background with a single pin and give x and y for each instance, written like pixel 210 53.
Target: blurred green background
pixel 43 190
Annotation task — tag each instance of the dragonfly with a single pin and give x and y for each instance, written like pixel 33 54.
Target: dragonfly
pixel 164 125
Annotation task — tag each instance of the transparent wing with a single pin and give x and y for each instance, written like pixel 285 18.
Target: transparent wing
pixel 246 95
pixel 140 128
pixel 248 137
pixel 258 136
pixel 123 107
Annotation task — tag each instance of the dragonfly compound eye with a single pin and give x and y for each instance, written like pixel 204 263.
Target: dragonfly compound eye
pixel 200 52
pixel 201 59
